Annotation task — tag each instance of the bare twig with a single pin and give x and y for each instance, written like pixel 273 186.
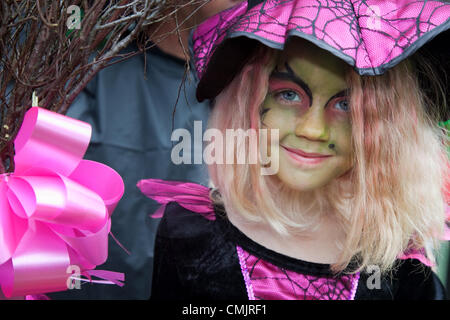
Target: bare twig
pixel 38 52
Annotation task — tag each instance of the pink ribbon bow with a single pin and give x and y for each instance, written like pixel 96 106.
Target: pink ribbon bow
pixel 55 208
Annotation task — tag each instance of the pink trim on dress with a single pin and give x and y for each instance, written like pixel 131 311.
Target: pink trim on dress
pixel 355 287
pixel 244 270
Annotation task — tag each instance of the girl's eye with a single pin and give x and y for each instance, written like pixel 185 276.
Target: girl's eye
pixel 342 105
pixel 288 95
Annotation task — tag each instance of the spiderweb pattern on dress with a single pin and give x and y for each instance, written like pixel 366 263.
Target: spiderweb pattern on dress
pixel 265 281
pixel 367 34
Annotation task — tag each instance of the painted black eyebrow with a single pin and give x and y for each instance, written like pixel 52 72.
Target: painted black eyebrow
pixel 343 93
pixel 291 76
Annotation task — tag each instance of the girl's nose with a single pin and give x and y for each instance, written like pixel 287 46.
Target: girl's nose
pixel 312 125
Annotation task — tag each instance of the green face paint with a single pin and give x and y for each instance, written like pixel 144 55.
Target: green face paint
pixel 308 102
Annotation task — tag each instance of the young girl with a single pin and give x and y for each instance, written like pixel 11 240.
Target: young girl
pixel 356 206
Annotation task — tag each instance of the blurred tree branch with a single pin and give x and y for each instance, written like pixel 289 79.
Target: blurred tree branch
pixel 56 47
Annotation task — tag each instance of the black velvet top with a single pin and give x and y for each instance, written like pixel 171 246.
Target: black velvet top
pixel 203 259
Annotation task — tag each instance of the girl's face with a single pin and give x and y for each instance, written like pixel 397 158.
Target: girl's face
pixel 308 102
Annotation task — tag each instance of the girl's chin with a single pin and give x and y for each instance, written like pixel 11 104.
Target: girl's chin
pixel 302 187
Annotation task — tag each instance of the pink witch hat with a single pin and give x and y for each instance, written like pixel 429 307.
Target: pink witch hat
pixel 370 35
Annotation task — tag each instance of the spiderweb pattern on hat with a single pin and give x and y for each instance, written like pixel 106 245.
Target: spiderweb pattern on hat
pixel 370 35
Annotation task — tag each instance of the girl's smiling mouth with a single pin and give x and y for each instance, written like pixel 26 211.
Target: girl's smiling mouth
pixel 305 158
